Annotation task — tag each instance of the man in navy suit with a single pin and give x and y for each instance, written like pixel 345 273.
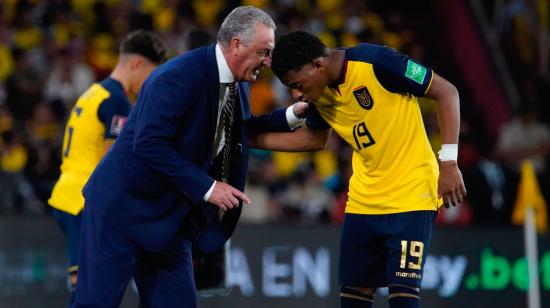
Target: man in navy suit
pixel 175 176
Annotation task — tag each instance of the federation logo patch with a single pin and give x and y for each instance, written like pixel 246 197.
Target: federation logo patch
pixel 415 72
pixel 363 97
pixel 117 124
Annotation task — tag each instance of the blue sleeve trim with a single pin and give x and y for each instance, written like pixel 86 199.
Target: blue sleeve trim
pixel 396 72
pixel 400 74
pixel 363 52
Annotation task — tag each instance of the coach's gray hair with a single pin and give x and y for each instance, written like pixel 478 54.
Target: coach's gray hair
pixel 241 23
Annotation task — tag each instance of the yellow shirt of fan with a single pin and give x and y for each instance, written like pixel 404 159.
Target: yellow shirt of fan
pixel 374 108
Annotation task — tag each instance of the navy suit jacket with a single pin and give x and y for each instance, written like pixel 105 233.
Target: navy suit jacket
pixel 152 182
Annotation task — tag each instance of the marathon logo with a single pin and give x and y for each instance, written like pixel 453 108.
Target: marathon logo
pixel 408 275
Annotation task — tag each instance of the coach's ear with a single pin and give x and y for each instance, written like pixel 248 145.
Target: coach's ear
pixel 234 45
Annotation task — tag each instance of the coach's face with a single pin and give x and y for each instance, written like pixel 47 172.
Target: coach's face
pixel 306 84
pixel 253 55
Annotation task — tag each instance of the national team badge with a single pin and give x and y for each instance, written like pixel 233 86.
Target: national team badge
pixel 363 97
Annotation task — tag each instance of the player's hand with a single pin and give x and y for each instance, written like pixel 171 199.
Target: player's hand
pixel 226 196
pixel 450 185
pixel 300 109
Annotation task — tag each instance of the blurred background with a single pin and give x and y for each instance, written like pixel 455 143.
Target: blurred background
pixel 285 250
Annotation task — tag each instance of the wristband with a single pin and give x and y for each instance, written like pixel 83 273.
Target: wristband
pixel 448 152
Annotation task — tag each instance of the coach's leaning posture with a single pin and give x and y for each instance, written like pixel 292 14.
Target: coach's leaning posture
pixel 178 166
pixel 93 126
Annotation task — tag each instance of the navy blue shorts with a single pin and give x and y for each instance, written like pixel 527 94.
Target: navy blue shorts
pixel 70 226
pixel 378 250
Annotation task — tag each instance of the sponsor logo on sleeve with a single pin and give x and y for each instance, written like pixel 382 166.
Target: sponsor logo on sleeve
pixel 117 124
pixel 415 72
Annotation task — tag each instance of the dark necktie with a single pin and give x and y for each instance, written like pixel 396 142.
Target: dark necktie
pixel 228 118
pixel 200 217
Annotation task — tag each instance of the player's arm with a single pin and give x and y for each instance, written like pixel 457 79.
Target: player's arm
pixel 400 74
pixel 450 185
pixel 303 139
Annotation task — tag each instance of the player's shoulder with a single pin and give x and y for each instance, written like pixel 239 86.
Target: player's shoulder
pixel 366 52
pixel 111 85
pixel 93 96
pixel 117 96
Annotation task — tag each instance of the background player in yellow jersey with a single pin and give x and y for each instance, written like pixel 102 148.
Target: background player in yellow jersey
pixel 95 121
pixel 368 95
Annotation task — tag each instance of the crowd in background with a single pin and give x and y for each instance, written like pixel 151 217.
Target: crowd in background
pixel 52 50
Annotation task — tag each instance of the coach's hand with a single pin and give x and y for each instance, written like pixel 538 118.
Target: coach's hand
pixel 226 196
pixel 450 185
pixel 300 109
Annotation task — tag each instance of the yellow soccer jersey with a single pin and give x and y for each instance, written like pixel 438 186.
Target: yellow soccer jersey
pixel 99 114
pixel 374 108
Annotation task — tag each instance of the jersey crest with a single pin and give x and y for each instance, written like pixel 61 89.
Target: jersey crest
pixel 363 97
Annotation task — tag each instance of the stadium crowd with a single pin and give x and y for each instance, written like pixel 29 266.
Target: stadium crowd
pixel 52 50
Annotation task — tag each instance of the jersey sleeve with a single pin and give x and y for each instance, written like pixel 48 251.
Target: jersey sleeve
pixel 113 113
pixel 399 74
pixel 314 120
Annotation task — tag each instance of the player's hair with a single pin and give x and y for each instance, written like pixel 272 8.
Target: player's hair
pixel 144 43
pixel 294 50
pixel 241 23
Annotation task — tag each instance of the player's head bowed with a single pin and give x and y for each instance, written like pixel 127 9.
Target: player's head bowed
pixel 294 50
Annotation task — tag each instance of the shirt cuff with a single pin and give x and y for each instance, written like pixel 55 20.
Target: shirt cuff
pixel 209 192
pixel 293 121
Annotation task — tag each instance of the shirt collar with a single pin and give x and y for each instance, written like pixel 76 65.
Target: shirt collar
pixel 225 74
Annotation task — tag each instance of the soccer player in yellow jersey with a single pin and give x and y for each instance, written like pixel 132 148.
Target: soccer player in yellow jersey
pixel 95 121
pixel 368 95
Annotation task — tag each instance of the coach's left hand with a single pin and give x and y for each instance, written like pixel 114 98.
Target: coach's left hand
pixel 450 184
